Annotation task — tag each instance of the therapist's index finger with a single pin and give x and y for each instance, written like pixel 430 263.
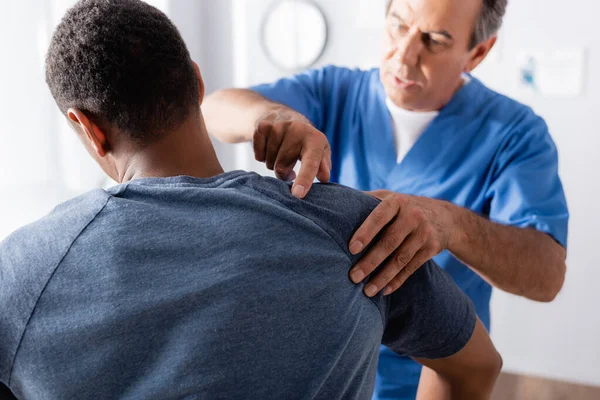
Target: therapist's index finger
pixel 311 163
pixel 375 222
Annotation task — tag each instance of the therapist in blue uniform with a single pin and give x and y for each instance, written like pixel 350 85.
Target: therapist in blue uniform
pixel 466 176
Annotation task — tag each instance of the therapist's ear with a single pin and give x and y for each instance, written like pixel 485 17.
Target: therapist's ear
pixel 90 133
pixel 200 81
pixel 479 52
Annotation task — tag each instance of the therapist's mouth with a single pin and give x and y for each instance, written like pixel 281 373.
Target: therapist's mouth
pixel 404 83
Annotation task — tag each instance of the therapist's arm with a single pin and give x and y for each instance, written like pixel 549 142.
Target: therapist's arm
pixel 469 374
pixel 521 261
pixel 231 114
pixel 280 136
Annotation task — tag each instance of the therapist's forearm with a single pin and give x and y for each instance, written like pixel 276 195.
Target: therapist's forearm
pixel 521 261
pixel 231 114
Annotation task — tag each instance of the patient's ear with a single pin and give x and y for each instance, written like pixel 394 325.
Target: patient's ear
pixel 200 81
pixel 91 134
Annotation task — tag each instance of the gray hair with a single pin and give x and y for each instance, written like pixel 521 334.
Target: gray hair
pixel 489 22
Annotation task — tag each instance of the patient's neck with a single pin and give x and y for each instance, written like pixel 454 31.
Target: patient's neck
pixel 186 150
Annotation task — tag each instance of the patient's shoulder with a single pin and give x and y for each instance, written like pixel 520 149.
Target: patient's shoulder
pixel 28 258
pixel 31 252
pixel 57 229
pixel 337 209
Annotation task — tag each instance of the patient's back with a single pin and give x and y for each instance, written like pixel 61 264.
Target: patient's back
pixel 225 287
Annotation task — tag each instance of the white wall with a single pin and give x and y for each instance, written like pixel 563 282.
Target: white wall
pixel 354 29
pixel 29 158
pixel 558 340
pixel 562 339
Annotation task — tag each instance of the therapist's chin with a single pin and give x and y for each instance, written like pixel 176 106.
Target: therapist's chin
pixel 409 100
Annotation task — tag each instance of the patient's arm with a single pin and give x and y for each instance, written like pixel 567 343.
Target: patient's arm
pixel 431 320
pixel 469 374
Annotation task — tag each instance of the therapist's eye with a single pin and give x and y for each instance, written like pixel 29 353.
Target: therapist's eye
pixel 434 45
pixel 400 27
pixel 397 28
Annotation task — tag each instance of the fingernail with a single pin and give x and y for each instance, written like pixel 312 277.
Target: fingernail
pixel 370 290
pixel 387 291
pixel 298 191
pixel 357 275
pixel 356 247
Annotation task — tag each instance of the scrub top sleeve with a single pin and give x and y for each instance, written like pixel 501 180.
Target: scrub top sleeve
pixel 526 190
pixel 303 93
pixel 429 316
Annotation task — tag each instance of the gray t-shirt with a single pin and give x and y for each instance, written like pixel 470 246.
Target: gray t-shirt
pixel 220 288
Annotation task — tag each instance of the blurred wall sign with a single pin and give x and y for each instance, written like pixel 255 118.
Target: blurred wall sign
pixel 294 34
pixel 552 73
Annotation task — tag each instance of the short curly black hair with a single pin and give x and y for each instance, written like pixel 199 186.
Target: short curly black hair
pixel 123 63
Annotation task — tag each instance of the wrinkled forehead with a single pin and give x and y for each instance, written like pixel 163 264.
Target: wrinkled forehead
pixel 458 17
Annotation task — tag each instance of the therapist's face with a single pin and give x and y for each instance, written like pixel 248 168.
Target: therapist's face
pixel 426 49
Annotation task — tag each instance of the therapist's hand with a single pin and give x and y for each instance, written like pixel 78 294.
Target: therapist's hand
pixel 283 137
pixel 412 230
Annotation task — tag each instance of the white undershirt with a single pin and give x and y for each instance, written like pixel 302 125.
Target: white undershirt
pixel 409 125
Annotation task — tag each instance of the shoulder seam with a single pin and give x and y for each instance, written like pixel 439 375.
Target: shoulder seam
pixel 328 234
pixel 12 364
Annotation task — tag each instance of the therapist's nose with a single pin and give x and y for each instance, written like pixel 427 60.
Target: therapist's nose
pixel 409 49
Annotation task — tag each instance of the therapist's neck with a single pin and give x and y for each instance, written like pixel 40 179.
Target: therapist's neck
pixel 186 150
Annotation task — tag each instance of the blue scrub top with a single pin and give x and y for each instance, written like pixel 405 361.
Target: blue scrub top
pixel 484 152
